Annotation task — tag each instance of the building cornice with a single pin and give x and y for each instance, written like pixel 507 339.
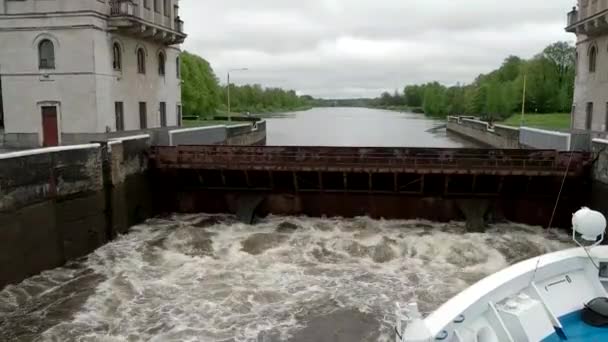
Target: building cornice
pixel 58 14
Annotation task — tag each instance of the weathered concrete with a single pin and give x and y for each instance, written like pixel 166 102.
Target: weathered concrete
pixel 506 137
pixel 545 139
pixel 250 135
pixel 241 134
pixel 209 135
pixel 57 204
pixel 599 193
pixel 500 137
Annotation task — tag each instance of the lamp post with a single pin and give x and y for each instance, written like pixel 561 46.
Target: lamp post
pixel 228 90
pixel 523 102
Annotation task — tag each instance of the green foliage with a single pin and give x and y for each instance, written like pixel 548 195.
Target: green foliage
pixel 255 99
pixel 200 88
pixel 202 96
pixel 497 95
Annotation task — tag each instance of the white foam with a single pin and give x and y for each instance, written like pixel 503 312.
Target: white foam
pixel 158 290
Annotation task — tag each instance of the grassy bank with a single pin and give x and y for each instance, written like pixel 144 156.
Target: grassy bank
pixel 556 121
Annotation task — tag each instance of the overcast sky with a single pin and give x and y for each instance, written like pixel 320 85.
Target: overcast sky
pixel 359 48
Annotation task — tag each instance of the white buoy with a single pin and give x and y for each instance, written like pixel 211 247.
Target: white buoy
pixel 590 224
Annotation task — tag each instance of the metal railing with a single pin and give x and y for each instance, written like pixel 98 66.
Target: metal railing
pixel 369 159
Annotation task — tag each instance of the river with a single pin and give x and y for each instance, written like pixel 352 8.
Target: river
pixel 209 278
pixel 359 127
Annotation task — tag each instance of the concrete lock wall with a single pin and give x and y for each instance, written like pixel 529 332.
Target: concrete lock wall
pixel 479 131
pixel 211 135
pixel 500 136
pixel 599 192
pixel 543 139
pixel 58 204
pixel 242 134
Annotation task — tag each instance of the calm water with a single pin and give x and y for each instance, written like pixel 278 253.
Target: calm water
pixel 359 127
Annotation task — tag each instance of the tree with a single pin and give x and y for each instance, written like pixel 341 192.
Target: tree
pixel 200 88
pixel 414 95
pixel 435 99
pixel 498 94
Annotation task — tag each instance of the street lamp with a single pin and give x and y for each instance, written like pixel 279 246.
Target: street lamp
pixel 228 90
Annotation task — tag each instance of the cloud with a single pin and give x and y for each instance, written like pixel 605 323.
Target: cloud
pixel 351 48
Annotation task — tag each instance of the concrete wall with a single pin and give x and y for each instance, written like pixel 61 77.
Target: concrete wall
pixel 507 137
pixel 599 193
pixel 62 203
pixel 543 139
pixel 500 137
pixel 209 135
pixel 254 135
pixel 243 134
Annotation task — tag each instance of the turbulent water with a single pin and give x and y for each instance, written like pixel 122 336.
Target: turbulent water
pixel 209 278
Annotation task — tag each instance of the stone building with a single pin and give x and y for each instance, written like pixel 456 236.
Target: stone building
pixel 72 71
pixel 589 21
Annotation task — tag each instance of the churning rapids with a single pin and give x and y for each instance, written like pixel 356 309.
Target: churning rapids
pixel 209 278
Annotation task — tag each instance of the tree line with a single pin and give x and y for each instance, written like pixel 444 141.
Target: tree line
pixel 203 96
pixel 549 78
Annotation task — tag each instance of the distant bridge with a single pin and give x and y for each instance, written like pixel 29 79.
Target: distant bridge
pixel 404 182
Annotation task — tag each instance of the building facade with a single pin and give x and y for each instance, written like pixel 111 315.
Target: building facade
pixel 589 21
pixel 74 70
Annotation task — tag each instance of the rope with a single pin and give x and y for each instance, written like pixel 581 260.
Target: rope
pixel 559 195
pixel 561 189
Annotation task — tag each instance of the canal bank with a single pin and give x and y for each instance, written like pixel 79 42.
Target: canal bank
pixel 59 204
pixel 62 203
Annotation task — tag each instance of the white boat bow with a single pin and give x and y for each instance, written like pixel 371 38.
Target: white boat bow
pixel 540 299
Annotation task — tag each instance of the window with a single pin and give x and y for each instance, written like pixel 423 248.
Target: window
pixel 606 119
pixel 120 118
pixel 116 57
pixel 178 68
pixel 589 118
pixel 143 115
pixel 1 106
pixel 576 64
pixel 592 59
pixel 147 4
pixel 163 114
pixel 179 115
pixel 167 7
pixel 161 64
pixel 46 55
pixel 157 6
pixel 141 61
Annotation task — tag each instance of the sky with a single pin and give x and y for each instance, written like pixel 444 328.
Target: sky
pixel 360 48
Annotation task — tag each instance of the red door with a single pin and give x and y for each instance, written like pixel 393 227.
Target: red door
pixel 50 133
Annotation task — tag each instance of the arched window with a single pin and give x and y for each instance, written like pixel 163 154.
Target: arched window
pixel 592 59
pixel 116 57
pixel 161 64
pixel 141 61
pixel 46 55
pixel 178 68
